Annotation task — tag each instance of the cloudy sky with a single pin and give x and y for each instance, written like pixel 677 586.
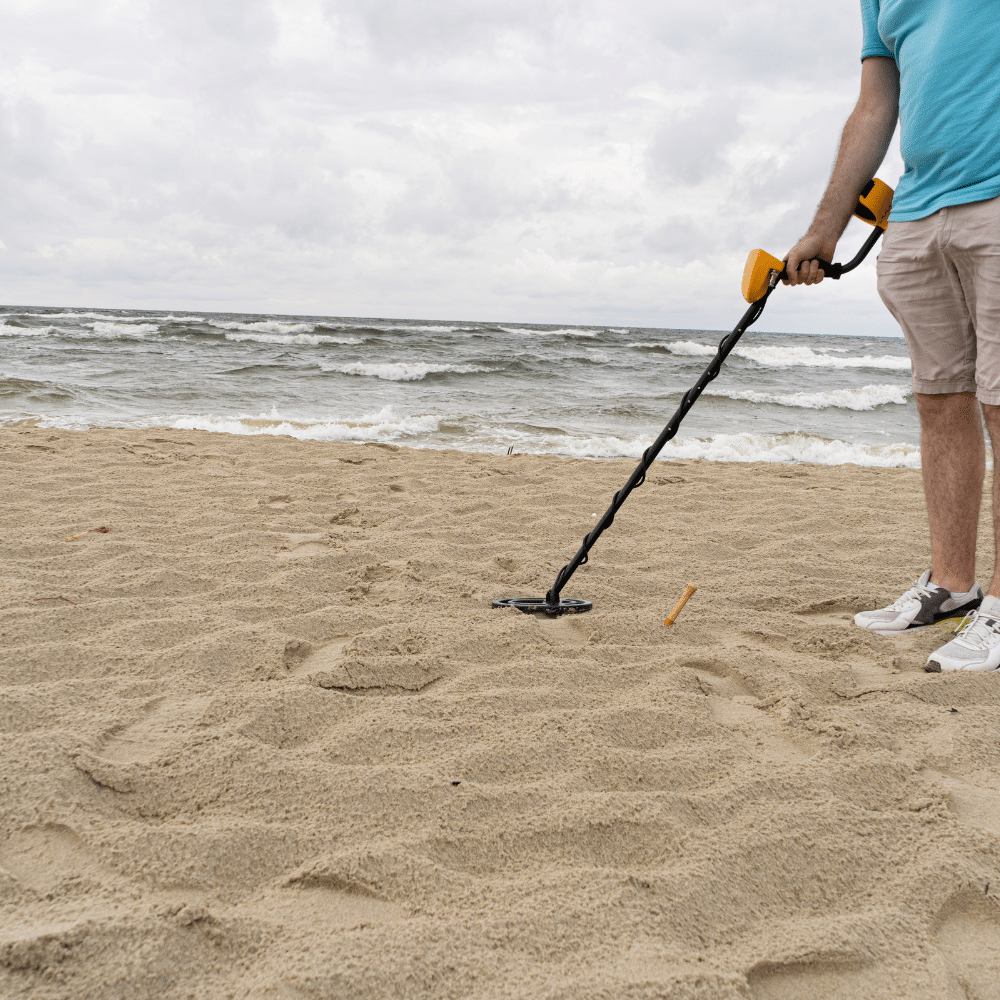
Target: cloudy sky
pixel 565 161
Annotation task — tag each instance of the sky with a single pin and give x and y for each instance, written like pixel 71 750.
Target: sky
pixel 593 162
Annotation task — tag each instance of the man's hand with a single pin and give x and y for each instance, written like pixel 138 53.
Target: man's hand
pixel 802 268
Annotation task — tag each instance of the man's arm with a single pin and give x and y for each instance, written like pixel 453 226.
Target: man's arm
pixel 863 146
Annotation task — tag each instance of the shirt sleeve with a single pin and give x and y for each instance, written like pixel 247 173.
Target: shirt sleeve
pixel 873 44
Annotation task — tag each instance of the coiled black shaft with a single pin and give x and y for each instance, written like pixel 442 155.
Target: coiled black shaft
pixel 690 397
pixel 649 455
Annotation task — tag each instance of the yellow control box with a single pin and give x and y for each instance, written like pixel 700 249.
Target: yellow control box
pixel 875 203
pixel 756 274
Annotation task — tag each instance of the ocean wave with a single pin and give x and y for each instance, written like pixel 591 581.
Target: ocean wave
pixel 792 447
pixel 311 339
pixel 27 331
pixel 424 328
pixel 384 425
pixel 120 331
pixel 400 371
pixel 778 357
pixel 263 326
pixel 562 332
pixel 100 330
pixel 791 357
pixel 683 348
pixel 864 398
pixel 426 430
pixel 69 315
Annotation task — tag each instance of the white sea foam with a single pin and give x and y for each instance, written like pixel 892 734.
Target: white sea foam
pixel 781 357
pixel 864 398
pixel 23 331
pixel 790 357
pixel 120 331
pixel 384 425
pixel 684 348
pixel 90 331
pixel 311 339
pixel 422 430
pixel 728 448
pixel 423 328
pixel 70 315
pixel 793 448
pixel 263 326
pixel 400 371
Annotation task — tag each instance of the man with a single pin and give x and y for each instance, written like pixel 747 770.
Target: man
pixel 936 65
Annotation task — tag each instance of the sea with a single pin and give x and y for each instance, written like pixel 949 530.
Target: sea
pixel 583 391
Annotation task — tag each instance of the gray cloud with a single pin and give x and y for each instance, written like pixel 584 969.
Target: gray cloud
pixel 587 161
pixel 688 148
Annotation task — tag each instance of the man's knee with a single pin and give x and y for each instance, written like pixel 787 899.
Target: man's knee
pixel 946 405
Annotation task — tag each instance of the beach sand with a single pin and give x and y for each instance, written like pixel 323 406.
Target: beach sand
pixel 266 737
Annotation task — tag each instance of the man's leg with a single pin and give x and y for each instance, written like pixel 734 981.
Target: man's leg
pixel 992 415
pixel 922 286
pixel 953 460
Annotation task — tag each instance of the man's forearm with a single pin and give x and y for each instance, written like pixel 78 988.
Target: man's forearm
pixel 863 145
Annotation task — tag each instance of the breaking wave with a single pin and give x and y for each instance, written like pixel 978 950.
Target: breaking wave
pixel 400 371
pixel 864 398
pixel 778 356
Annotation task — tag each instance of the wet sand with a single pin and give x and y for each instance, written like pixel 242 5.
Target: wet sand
pixel 265 737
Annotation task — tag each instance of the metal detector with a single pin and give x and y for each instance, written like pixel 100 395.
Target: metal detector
pixel 760 277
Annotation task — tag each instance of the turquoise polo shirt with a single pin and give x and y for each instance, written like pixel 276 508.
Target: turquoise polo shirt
pixel 948 54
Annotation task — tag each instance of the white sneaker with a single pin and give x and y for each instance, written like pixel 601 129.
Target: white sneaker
pixel 924 604
pixel 977 645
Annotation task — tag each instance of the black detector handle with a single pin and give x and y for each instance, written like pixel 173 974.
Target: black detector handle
pixel 829 270
pixel 836 270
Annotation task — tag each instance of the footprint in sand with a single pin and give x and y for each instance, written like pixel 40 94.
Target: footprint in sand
pixel 976 803
pixel 168 722
pixel 732 703
pixel 304 545
pixel 346 516
pixel 823 981
pixel 315 904
pixel 387 660
pixel 967 935
pixel 870 677
pixel 564 631
pixel 836 611
pixel 42 857
pixel 278 502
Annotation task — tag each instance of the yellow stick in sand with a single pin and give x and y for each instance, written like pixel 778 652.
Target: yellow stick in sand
pixel 685 597
pixel 80 534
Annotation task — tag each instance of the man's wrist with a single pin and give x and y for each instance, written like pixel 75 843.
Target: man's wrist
pixel 826 233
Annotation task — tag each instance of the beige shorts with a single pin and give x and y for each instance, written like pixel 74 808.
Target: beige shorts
pixel 940 278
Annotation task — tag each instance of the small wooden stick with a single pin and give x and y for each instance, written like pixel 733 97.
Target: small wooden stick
pixel 685 597
pixel 103 530
pixel 59 598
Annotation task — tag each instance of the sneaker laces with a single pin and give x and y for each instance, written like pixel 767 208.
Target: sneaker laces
pixel 983 626
pixel 913 594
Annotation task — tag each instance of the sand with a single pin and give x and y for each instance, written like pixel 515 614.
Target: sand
pixel 266 737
